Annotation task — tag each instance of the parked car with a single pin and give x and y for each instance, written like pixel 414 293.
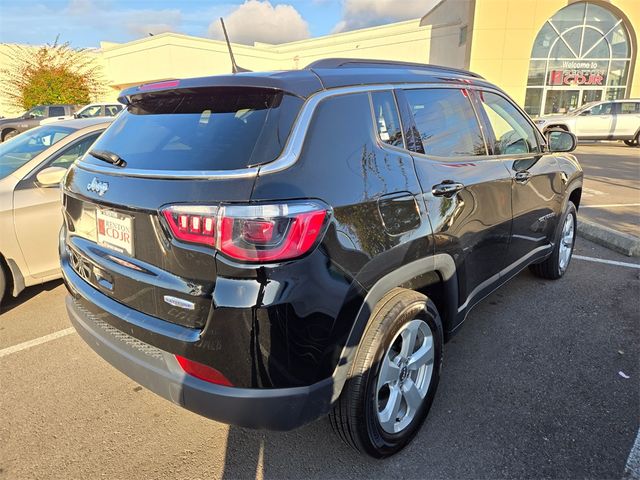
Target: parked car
pixel 267 248
pixel 10 127
pixel 608 120
pixel 100 110
pixel 90 111
pixel 31 167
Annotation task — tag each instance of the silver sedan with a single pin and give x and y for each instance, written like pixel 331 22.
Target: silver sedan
pixel 32 165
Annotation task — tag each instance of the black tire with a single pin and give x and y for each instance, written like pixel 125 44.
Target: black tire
pixel 633 143
pixel 551 268
pixel 355 416
pixel 9 134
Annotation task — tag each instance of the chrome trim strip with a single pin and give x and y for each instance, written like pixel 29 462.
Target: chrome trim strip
pixel 171 174
pixel 292 148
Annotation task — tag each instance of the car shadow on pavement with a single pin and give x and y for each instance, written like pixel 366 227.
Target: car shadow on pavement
pixel 524 380
pixel 27 294
pixel 313 451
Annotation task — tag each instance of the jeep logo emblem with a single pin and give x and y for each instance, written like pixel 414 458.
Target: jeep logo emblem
pixel 98 187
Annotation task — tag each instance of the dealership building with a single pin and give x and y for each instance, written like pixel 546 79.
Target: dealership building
pixel 549 55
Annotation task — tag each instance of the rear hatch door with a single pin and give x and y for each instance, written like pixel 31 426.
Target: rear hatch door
pixel 196 147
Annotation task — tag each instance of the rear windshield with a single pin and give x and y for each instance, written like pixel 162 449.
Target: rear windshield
pixel 204 129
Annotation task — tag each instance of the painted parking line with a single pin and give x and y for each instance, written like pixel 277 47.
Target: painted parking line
pixel 589 192
pixel 608 262
pixel 632 468
pixel 611 205
pixel 37 341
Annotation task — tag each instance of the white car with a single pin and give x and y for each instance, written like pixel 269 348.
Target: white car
pixel 31 167
pixel 105 109
pixel 605 120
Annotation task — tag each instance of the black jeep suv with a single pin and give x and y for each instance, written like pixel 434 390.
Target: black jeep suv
pixel 264 249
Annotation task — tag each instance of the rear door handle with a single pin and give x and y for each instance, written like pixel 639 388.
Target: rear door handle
pixel 523 176
pixel 446 188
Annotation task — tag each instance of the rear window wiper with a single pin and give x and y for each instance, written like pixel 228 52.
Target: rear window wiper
pixel 110 157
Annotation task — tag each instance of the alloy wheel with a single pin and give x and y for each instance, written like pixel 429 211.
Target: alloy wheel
pixel 566 242
pixel 405 375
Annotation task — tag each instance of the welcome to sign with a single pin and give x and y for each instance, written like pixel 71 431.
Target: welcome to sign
pixel 571 72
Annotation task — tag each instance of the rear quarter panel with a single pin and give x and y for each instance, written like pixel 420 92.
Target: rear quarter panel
pixel 344 164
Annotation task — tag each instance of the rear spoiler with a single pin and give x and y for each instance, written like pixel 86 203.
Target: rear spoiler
pixel 302 83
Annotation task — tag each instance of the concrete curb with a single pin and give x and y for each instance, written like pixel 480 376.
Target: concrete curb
pixel 620 242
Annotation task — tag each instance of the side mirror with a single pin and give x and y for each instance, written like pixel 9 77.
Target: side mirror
pixel 586 112
pixel 50 176
pixel 561 141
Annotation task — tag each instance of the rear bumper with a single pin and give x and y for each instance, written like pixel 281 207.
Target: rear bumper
pixel 158 371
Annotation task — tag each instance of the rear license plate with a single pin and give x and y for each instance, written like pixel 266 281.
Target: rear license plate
pixel 114 231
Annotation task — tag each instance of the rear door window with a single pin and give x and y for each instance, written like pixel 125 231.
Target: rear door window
pixel 56 111
pixel 629 107
pixel 446 121
pixel 201 129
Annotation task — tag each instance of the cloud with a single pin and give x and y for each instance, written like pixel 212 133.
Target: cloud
pixel 260 21
pixel 368 13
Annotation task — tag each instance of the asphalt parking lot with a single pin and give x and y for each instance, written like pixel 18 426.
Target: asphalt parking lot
pixel 534 386
pixel 611 193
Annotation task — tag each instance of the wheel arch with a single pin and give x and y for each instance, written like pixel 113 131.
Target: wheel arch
pixel 435 273
pixel 575 195
pixel 15 279
pixel 6 129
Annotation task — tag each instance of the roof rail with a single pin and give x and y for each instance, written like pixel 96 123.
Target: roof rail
pixel 361 62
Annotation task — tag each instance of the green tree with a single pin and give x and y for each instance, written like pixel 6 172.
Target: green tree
pixel 51 73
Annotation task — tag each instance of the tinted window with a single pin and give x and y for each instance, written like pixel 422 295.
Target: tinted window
pixel 56 111
pixel 204 129
pixel 446 122
pixel 629 107
pixel 73 152
pixel 18 151
pixel 513 133
pixel 387 118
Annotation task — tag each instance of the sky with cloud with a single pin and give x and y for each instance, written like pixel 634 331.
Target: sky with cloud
pixel 85 23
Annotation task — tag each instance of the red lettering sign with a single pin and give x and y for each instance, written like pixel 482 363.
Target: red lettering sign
pixel 561 77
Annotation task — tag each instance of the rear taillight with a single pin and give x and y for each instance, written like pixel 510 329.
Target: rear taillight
pixel 251 233
pixel 203 372
pixel 195 224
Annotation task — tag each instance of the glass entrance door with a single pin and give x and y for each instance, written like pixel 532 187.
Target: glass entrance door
pixel 561 101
